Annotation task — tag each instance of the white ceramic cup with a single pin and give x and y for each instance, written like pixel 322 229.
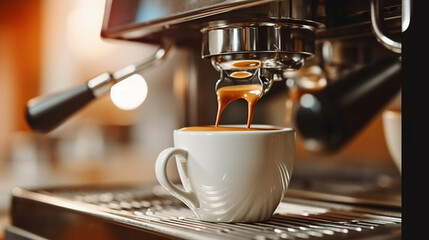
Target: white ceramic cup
pixel 230 176
pixel 392 133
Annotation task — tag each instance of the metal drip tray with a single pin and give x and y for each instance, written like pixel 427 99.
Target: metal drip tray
pixel 147 212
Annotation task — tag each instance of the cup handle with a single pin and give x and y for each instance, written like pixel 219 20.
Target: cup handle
pixel 187 197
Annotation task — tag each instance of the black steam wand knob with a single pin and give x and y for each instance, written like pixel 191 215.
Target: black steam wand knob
pixel 43 114
pixel 46 113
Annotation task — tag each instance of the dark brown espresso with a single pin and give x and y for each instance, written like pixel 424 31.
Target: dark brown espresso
pixel 250 92
pixel 212 128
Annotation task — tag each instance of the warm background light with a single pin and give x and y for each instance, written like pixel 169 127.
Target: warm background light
pixel 129 93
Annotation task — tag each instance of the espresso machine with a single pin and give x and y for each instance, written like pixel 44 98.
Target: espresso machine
pixel 305 44
pixel 335 63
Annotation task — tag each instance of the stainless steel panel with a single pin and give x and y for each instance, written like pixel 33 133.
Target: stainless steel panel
pixel 147 211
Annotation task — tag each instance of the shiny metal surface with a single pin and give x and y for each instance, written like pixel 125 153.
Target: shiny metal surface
pixel 278 46
pixel 280 42
pixel 377 25
pixel 138 18
pixel 279 33
pixel 148 212
pixel 155 21
pixel 101 84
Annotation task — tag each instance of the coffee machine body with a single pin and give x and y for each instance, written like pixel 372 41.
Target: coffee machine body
pixel 325 50
pixel 328 59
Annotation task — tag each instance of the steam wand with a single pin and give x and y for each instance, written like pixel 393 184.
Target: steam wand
pixel 45 114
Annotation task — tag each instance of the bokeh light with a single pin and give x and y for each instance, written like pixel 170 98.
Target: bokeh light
pixel 129 93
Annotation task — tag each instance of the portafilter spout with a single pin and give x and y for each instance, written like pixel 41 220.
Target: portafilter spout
pixel 258 52
pixel 43 114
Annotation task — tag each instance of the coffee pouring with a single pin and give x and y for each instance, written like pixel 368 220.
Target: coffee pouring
pixel 241 80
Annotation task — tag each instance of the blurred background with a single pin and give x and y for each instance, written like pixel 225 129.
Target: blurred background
pixel 47 46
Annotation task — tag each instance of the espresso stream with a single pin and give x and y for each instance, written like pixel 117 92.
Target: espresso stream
pixel 249 92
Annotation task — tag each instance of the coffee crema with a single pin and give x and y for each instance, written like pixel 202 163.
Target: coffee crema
pixel 249 92
pixel 212 128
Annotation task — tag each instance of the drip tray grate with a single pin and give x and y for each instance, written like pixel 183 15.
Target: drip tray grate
pixel 135 211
